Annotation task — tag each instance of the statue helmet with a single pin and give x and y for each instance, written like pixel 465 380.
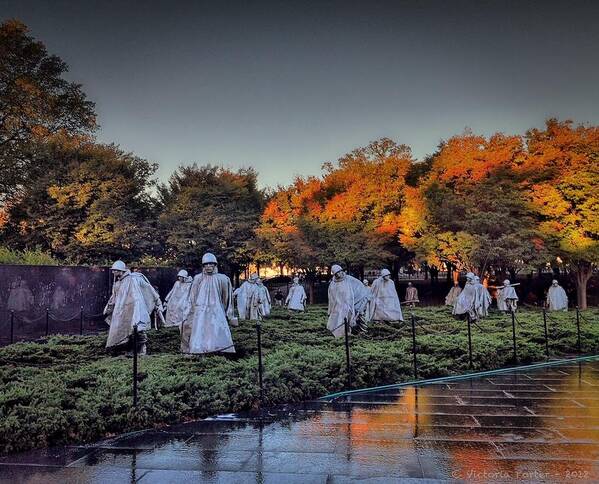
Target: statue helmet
pixel 254 277
pixel 296 279
pixel 119 265
pixel 209 258
pixel 182 273
pixel 469 275
pixel 506 282
pixel 365 281
pixel 554 282
pixel 385 272
pixel 335 268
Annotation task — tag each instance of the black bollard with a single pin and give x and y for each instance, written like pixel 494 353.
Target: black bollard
pixel 578 345
pixel 12 326
pixel 135 338
pixel 514 334
pixel 469 340
pixel 81 322
pixel 414 346
pixel 347 354
pixel 546 334
pixel 47 321
pixel 259 338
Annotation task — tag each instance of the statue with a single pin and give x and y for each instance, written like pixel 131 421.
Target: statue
pixel 366 283
pixel 266 302
pixel 177 300
pixel 557 300
pixel 465 304
pixel 348 300
pixel 507 299
pixel 483 299
pixel 248 299
pixel 385 301
pixel 452 295
pixel 296 298
pixel 411 295
pixel 206 328
pixel 131 304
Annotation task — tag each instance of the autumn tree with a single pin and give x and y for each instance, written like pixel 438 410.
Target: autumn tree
pixel 470 212
pixel 36 102
pixel 208 208
pixel 87 202
pixel 562 173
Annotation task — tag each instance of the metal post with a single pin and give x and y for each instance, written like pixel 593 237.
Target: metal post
pixel 514 335
pixel 469 340
pixel 135 338
pixel 259 338
pixel 81 322
pixel 578 346
pixel 546 334
pixel 47 321
pixel 347 354
pixel 12 326
pixel 414 346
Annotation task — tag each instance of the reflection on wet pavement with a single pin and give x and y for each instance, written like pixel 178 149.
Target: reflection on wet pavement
pixel 537 424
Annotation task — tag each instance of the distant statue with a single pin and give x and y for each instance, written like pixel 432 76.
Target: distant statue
pixel 177 300
pixel 131 304
pixel 557 299
pixel 507 299
pixel 348 301
pixel 296 298
pixel 248 299
pixel 452 295
pixel 265 301
pixel 385 301
pixel 483 299
pixel 206 328
pixel 411 295
pixel 465 305
pixel 279 297
pixel 366 283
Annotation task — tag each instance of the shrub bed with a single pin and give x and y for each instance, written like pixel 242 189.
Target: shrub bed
pixel 66 389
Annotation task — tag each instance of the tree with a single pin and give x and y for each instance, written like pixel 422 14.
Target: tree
pixel 212 209
pixel 471 213
pixel 87 202
pixel 36 102
pixel 562 170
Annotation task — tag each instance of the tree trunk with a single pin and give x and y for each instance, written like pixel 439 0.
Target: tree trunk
pixel 449 272
pixel 280 269
pixel 583 272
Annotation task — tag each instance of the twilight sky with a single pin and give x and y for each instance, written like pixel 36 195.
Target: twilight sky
pixel 285 86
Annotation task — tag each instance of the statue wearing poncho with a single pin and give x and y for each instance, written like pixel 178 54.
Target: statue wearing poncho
pixel 131 304
pixel 177 300
pixel 206 328
pixel 411 295
pixel 507 299
pixel 296 297
pixel 466 301
pixel 557 300
pixel 483 299
pixel 452 295
pixel 385 304
pixel 348 299
pixel 249 299
pixel 266 303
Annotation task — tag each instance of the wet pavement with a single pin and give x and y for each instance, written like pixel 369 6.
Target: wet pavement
pixel 538 424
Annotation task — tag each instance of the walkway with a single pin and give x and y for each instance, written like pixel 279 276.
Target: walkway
pixel 532 424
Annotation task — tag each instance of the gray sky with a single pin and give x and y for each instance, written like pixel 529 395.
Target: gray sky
pixel 285 86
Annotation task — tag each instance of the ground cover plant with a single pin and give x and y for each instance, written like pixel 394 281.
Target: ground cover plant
pixel 66 389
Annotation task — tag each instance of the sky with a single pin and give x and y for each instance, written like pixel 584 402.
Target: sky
pixel 285 86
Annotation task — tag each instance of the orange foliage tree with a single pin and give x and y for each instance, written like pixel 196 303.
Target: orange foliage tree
pixel 470 212
pixel 562 179
pixel 351 215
